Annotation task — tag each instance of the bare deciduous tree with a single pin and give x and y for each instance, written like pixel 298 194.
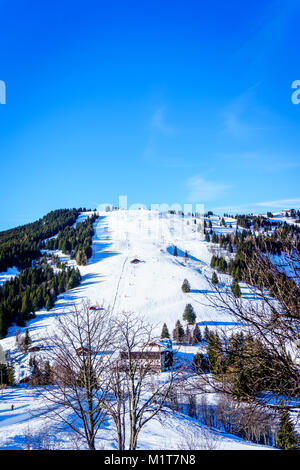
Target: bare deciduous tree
pixel 139 392
pixel 80 354
pixel 271 314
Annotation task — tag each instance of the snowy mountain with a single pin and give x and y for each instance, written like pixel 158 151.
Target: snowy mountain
pixel 150 286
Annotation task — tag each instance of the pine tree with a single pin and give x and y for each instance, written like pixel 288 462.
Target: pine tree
pixel 20 319
pixel 165 332
pixel 186 286
pixel 188 335
pixel 26 303
pixel 214 353
pixel 200 365
pixel 189 314
pixel 36 374
pixel 178 333
pixel 10 376
pixel 214 278
pixel 286 437
pixel 206 333
pixel 48 304
pixel 197 337
pixel 236 288
pixel 27 340
pixel 242 382
pixel 223 222
pixel 215 238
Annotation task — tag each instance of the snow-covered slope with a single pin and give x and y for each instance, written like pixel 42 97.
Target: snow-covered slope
pixel 7 275
pixel 152 288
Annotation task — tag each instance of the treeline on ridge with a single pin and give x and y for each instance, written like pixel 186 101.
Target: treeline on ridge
pixel 33 289
pixel 245 245
pixel 20 245
pixel 74 241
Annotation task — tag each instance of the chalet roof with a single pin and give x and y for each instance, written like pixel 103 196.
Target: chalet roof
pixel 150 350
pixel 163 344
pixel 141 355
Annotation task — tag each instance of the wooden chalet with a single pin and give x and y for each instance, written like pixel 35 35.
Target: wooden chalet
pixel 156 355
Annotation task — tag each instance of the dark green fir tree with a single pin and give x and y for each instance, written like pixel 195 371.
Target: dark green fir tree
pixel 286 437
pixel 236 289
pixel 189 314
pixel 215 279
pixel 178 333
pixel 186 286
pixel 165 332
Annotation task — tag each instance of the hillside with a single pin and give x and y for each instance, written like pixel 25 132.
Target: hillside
pixel 150 287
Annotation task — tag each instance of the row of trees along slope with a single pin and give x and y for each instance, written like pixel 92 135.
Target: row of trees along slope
pixel 32 290
pixel 75 241
pixel 20 245
pixel 247 243
pixel 262 367
pixel 38 287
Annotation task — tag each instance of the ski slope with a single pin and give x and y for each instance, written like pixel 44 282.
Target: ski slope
pixel 151 288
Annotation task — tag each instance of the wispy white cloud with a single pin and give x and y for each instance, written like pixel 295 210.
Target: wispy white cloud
pixel 244 117
pixel 293 203
pixel 161 132
pixel 159 124
pixel 256 207
pixel 201 190
pixel 260 159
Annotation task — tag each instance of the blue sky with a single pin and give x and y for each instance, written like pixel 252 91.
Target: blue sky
pixel 162 101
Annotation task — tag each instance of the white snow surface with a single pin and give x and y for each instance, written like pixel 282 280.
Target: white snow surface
pixel 7 275
pixel 151 288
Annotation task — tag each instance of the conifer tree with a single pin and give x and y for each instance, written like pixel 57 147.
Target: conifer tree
pixel 189 314
pixel 188 335
pixel 165 332
pixel 214 353
pixel 27 340
pixel 48 375
pixel 48 304
pixel 214 278
pixel 25 303
pixel 197 337
pixel 236 288
pixel 286 437
pixel 200 365
pixel 215 238
pixel 242 382
pixel 10 375
pixel 186 286
pixel 178 333
pixel 206 333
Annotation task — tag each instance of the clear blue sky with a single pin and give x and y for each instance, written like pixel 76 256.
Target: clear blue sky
pixel 162 101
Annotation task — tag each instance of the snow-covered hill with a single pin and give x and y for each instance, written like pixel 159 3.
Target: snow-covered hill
pixel 151 287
